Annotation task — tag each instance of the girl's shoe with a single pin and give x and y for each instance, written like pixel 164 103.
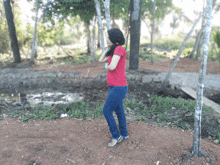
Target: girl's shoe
pixel 113 142
pixel 125 137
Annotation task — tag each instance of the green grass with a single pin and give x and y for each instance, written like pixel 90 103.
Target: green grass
pixel 173 44
pixel 163 111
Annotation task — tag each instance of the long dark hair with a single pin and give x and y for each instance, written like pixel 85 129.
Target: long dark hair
pixel 117 38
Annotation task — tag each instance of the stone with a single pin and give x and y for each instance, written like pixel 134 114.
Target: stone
pixel 216 141
pixel 172 86
pixel 60 74
pixel 147 78
pixel 16 104
pixel 158 79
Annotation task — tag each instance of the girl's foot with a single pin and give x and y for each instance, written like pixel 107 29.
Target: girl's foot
pixel 125 137
pixel 113 142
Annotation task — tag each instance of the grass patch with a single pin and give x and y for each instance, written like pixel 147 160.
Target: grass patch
pixel 163 111
pixel 173 44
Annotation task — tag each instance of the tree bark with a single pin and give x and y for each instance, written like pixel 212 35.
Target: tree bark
pixel 34 43
pixel 192 55
pixel 127 38
pixel 28 46
pixel 98 44
pixel 89 47
pixel 152 33
pixel 202 72
pixel 8 38
pixel 12 31
pixel 166 80
pixel 107 13
pixel 98 10
pixel 128 27
pixel 198 52
pixel 94 42
pixel 135 33
pixel 198 37
pixel 200 42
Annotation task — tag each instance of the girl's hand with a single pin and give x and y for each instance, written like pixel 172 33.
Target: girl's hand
pixel 106 67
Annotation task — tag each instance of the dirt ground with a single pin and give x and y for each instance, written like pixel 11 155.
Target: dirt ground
pixel 183 65
pixel 84 142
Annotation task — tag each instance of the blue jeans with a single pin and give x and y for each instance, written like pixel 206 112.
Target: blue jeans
pixel 114 102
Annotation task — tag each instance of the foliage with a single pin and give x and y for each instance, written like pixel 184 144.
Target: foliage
pixel 164 111
pixel 61 9
pixel 20 31
pixel 163 7
pixel 216 37
pixel 173 44
pixel 3 30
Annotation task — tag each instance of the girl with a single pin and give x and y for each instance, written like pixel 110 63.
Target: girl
pixel 118 88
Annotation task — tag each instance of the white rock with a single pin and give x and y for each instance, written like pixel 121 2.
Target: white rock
pixel 216 141
pixel 64 115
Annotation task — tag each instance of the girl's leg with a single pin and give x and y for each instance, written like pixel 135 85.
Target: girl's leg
pixel 115 96
pixel 121 119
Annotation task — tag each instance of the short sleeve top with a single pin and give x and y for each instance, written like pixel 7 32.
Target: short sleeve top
pixel 117 77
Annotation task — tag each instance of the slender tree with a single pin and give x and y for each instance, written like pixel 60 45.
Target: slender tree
pixel 98 11
pixel 166 80
pixel 198 38
pixel 89 46
pixel 199 34
pixel 152 33
pixel 201 37
pixel 196 150
pixel 107 13
pixel 94 40
pixel 34 43
pixel 135 33
pixel 12 31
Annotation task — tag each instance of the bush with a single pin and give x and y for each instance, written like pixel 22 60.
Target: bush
pixel 173 44
pixel 3 42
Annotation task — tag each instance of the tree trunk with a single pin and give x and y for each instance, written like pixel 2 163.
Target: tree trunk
pixel 34 43
pixel 113 19
pixel 127 38
pixel 128 27
pixel 198 52
pixel 192 55
pixel 152 33
pixel 202 72
pixel 166 80
pixel 98 44
pixel 94 42
pixel 107 13
pixel 89 47
pixel 28 24
pixel 8 38
pixel 98 10
pixel 135 33
pixel 199 35
pixel 12 31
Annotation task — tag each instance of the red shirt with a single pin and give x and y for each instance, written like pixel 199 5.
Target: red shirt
pixel 117 77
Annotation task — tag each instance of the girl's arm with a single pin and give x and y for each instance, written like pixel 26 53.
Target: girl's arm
pixel 103 58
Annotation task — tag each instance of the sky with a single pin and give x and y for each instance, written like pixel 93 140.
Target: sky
pixel 188 6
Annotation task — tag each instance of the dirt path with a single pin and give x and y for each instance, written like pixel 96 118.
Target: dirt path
pixel 66 141
pixel 183 65
pixel 71 141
